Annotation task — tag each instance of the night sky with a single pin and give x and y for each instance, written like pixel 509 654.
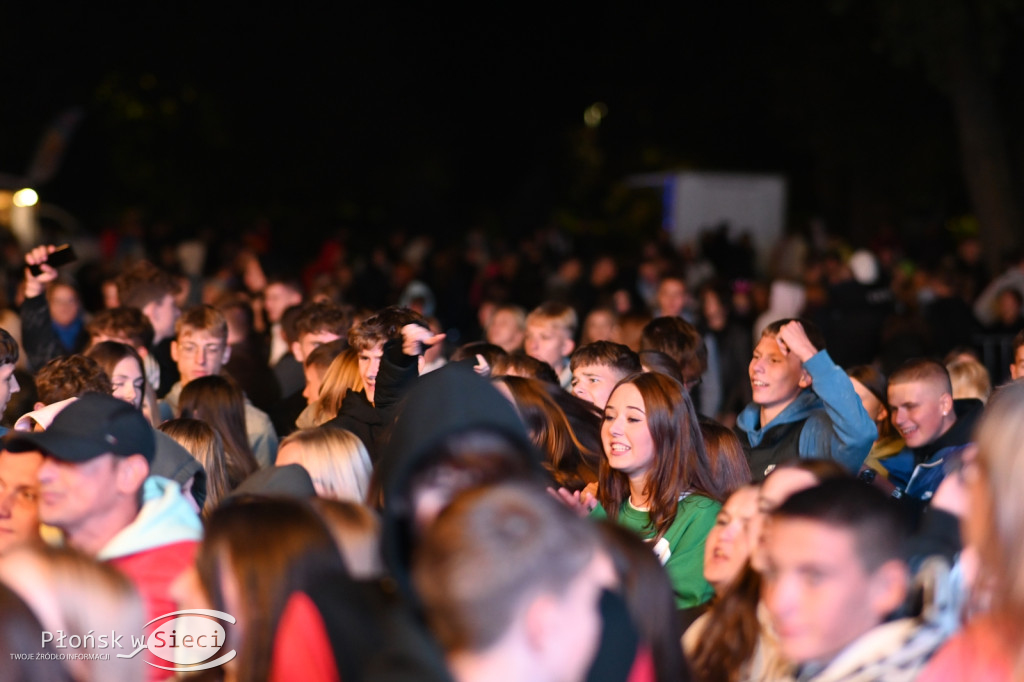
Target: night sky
pixel 438 118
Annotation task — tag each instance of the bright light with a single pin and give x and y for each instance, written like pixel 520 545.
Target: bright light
pixel 25 197
pixel 594 113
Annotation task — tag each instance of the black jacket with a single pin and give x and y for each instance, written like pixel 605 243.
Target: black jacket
pixel 453 400
pixel 443 404
pixel 38 337
pixel 371 422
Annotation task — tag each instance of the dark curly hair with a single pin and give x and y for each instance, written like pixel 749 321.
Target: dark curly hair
pixel 70 377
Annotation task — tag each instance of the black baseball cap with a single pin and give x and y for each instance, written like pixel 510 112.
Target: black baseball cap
pixel 93 425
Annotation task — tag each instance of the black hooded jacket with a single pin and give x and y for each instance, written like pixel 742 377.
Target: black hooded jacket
pixel 451 401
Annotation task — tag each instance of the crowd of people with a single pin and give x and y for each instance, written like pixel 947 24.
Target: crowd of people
pixel 593 469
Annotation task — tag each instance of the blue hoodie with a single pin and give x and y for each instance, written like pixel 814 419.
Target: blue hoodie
pixel 835 424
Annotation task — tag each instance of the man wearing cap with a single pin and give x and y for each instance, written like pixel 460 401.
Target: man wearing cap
pixel 95 486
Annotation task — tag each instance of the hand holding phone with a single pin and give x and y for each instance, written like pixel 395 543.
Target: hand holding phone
pixel 62 255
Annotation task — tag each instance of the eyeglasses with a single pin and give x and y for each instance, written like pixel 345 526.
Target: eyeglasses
pixel 195 349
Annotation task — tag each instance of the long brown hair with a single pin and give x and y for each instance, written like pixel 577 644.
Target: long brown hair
pixel 680 461
pixel 224 470
pixel 270 548
pixel 732 631
pixel 220 403
pixel 730 470
pixel 551 432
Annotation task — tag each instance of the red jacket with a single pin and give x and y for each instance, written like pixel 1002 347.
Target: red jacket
pixel 152 571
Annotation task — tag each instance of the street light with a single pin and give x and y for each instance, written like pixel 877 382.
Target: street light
pixel 24 198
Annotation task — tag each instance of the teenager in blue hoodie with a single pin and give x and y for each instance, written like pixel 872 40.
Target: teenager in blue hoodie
pixel 804 405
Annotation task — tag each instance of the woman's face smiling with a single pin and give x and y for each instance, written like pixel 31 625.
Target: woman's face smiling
pixel 626 438
pixel 730 543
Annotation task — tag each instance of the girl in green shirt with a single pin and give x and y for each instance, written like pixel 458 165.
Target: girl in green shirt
pixel 656 478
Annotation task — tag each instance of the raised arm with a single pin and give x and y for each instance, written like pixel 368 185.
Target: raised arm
pixel 844 432
pixel 40 341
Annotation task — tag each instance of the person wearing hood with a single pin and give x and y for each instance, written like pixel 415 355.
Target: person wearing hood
pixel 453 432
pixel 173 462
pixel 95 486
pixel 804 406
pixel 936 427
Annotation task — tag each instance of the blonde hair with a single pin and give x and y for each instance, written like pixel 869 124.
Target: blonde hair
pixel 553 312
pixel 341 377
pixel 517 313
pixel 970 379
pixel 336 460
pixel 70 591
pixel 356 530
